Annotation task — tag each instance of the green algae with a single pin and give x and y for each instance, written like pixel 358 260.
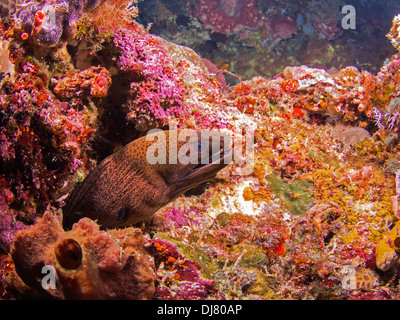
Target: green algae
pixel 296 195
pixel 194 253
pixel 223 219
pixel 252 255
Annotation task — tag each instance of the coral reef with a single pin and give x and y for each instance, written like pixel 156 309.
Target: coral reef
pixel 316 218
pixel 89 263
pixel 9 225
pixel 177 278
pixel 158 92
pixel 283 33
pixel 386 249
pixel 394 34
pixel 41 140
pixel 49 22
pixel 94 81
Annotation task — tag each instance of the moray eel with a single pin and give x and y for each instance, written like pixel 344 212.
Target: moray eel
pixel 127 188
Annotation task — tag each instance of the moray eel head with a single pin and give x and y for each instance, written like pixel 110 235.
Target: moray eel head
pixel 130 185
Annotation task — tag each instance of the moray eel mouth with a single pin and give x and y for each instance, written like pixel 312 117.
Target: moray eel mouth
pixel 205 168
pixel 214 163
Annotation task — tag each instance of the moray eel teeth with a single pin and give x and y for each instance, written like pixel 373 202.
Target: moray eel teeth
pixel 126 188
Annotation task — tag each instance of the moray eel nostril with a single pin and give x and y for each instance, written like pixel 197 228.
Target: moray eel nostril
pixel 125 188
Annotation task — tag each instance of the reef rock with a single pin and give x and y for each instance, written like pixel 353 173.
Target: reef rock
pixel 283 27
pixel 350 135
pixel 394 34
pixel 386 251
pixel 228 16
pixel 88 263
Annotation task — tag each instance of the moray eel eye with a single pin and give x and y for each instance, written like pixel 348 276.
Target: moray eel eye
pixel 126 188
pixel 68 253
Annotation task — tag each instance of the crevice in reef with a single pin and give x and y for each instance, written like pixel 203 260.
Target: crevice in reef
pixel 114 131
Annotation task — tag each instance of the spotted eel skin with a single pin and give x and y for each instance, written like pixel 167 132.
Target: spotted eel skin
pixel 125 188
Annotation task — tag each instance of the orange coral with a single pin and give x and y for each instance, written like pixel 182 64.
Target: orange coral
pixel 290 85
pixel 111 14
pixel 242 89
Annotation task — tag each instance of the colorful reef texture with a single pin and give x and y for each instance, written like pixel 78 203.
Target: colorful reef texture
pixel 317 217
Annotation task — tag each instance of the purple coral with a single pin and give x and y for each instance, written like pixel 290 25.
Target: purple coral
pixel 9 225
pixel 180 218
pixel 49 21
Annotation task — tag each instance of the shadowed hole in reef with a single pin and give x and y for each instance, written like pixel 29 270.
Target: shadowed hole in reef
pixel 68 253
pixel 328 238
pixel 197 190
pixel 114 130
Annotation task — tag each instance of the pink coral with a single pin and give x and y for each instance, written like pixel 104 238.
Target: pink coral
pixel 156 90
pixel 9 225
pixel 179 278
pixel 183 218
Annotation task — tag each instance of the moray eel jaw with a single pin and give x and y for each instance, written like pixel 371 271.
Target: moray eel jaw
pixel 212 153
pixel 127 188
pixel 200 173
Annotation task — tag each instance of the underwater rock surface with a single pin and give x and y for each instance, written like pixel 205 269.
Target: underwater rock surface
pixel 315 218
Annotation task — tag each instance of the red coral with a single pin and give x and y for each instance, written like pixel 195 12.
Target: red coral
pixel 40 140
pixel 94 81
pixel 290 85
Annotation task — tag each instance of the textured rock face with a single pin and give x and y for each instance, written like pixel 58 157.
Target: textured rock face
pixel 89 263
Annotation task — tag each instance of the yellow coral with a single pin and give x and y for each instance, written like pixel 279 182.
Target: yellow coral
pixel 386 249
